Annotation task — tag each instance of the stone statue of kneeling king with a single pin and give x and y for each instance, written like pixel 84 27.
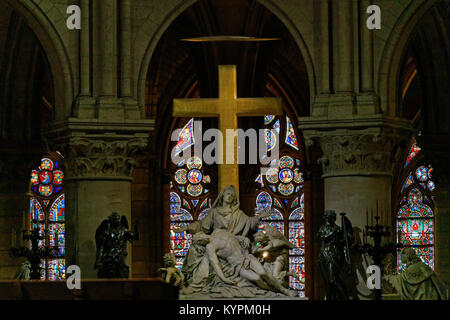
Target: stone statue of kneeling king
pixel 418 281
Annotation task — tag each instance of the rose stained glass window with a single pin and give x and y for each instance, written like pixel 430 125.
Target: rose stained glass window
pixel 415 216
pixel 47 213
pixel 190 198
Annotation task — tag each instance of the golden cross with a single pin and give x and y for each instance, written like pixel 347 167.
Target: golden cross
pixel 228 107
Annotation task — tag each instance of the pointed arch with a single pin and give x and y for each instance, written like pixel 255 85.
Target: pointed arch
pixel 56 51
pixel 182 6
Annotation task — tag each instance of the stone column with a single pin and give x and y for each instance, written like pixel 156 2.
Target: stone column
pixel 367 99
pixel 343 44
pixel 85 104
pixel 357 173
pixel 366 50
pixel 98 172
pixel 107 31
pixel 323 8
pixel 85 53
pixel 125 48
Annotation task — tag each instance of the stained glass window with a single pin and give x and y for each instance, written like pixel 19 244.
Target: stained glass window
pixel 281 192
pixel 47 212
pixel 414 150
pixel 190 197
pixel 415 216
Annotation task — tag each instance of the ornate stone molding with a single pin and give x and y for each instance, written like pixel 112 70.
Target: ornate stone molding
pixel 96 150
pixel 101 159
pixel 351 148
pixel 356 154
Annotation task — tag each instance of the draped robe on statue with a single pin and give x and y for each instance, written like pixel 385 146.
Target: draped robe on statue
pixel 418 281
pixel 200 276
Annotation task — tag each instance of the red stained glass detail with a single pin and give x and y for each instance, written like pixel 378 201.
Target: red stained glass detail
pixel 412 153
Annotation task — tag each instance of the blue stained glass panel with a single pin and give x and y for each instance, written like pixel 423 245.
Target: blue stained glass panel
pixel 263 201
pixel 56 269
pixel 297 237
pixel 291 138
pixel 268 119
pixel 57 210
pixel 297 266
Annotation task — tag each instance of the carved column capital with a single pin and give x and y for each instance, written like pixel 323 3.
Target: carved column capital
pixel 91 158
pixel 349 150
pixel 101 151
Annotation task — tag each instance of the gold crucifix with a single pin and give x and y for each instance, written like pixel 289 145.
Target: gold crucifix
pixel 228 107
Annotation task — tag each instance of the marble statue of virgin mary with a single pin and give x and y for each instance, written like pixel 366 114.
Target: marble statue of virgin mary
pixel 225 215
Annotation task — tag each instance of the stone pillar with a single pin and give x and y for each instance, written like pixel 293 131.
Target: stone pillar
pixel 85 53
pixel 357 173
pixel 125 49
pixel 343 44
pixel 324 27
pixel 367 99
pixel 98 172
pixel 107 31
pixel 85 104
pixel 367 72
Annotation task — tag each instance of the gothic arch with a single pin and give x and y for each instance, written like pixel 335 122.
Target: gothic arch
pixel 299 40
pixel 176 76
pixel 181 6
pixel 392 54
pixel 55 50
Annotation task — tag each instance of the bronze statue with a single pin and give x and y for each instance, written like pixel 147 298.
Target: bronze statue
pixel 334 256
pixel 111 238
